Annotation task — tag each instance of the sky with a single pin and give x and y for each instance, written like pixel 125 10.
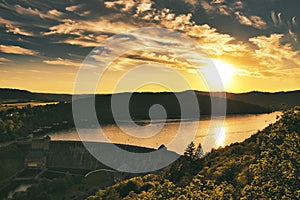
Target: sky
pixel 254 44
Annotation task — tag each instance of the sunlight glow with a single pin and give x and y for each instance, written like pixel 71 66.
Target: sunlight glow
pixel 225 70
pixel 220 135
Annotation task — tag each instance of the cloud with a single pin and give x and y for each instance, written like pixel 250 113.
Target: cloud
pixel 274 19
pixel 255 21
pixel 72 8
pixel 143 6
pixel 3 60
pixel 208 7
pixel 85 41
pixel 88 33
pixel 77 10
pixel 215 43
pixel 125 4
pixel 221 7
pixel 17 50
pixel 279 18
pixel 61 61
pixel 294 21
pixel 140 6
pixel 101 25
pixel 192 2
pixel 209 38
pixel 51 14
pixel 5 21
pixel 273 54
pixel 14 27
pixel 55 13
pixel 15 30
pixel 179 22
pixel 162 58
pixel 294 39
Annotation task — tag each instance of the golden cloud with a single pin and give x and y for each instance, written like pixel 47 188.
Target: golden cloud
pixel 3 60
pixel 17 50
pixel 97 26
pixel 15 30
pixel 254 20
pixel 14 27
pixel 60 61
pixel 272 53
pixel 72 8
pixel 51 14
pixel 126 4
pixel 85 41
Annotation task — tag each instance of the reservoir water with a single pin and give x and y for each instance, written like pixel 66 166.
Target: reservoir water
pixel 210 133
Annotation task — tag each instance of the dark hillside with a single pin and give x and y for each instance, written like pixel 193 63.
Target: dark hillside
pixel 274 101
pixel 15 95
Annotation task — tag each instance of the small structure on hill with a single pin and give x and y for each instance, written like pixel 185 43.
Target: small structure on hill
pixel 162 147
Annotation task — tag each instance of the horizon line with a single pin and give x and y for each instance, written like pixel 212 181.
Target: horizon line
pixel 54 93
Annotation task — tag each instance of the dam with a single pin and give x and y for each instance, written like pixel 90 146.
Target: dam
pixel 36 157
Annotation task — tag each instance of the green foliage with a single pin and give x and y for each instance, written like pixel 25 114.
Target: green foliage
pixel 276 173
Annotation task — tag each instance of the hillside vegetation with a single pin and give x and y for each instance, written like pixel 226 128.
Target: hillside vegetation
pixel 265 166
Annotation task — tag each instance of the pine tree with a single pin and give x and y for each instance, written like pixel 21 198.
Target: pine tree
pixel 199 152
pixel 190 151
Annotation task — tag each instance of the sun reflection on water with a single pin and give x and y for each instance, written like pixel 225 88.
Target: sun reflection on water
pixel 220 135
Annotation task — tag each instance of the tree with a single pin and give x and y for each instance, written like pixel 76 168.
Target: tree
pixel 194 153
pixel 190 151
pixel 199 152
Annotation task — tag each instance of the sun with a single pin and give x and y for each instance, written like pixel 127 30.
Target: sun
pixel 225 70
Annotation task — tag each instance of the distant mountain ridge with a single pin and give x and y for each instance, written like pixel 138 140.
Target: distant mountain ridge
pixel 16 95
pixel 266 100
pixel 273 101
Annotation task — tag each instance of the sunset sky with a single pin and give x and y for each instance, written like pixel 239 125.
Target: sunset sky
pixel 253 43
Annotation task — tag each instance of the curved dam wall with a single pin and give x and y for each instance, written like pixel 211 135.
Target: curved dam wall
pixel 73 155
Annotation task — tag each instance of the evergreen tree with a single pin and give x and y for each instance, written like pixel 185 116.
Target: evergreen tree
pixel 199 152
pixel 190 151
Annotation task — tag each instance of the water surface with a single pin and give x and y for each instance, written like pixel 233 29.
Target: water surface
pixel 210 133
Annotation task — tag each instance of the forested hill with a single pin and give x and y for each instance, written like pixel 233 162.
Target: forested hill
pixel 268 100
pixel 15 95
pixel 265 166
pixel 274 100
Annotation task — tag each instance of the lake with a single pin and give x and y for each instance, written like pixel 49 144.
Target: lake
pixel 210 133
